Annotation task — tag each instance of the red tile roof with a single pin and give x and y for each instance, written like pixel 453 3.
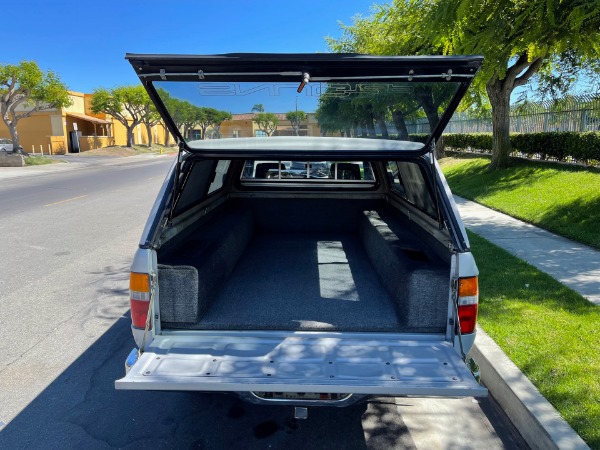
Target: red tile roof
pixel 250 116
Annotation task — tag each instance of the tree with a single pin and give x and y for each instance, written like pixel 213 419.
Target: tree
pixel 189 115
pixel 399 28
pixel 150 118
pixel 518 39
pixel 168 101
pixel 266 122
pixel 127 104
pixel 181 111
pixel 333 114
pixel 219 118
pixel 258 108
pixel 27 87
pixel 205 118
pixel 296 118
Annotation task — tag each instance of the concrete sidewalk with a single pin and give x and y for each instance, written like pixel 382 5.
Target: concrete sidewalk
pixel 575 265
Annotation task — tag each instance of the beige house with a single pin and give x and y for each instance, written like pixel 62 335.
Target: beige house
pixel 55 131
pixel 243 125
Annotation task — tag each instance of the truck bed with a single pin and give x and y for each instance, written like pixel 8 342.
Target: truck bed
pixel 303 282
pixel 348 270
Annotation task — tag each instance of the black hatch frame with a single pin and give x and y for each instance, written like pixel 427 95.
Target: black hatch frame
pixel 273 67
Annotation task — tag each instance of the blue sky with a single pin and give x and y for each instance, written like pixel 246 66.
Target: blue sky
pixel 85 42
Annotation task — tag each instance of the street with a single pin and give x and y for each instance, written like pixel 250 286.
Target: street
pixel 67 240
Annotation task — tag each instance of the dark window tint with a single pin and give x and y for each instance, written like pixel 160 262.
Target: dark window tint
pixel 195 185
pixel 220 175
pixel 393 175
pixel 409 181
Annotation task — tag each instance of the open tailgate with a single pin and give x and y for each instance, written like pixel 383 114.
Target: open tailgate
pixel 351 363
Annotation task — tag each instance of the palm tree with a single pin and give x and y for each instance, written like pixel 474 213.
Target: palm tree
pixel 258 108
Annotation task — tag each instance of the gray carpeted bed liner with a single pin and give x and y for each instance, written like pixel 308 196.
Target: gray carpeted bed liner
pixel 417 281
pixel 303 282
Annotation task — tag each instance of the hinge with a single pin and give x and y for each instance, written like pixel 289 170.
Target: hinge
pixel 152 277
pixel 175 188
pixel 435 184
pixel 153 283
pixel 454 287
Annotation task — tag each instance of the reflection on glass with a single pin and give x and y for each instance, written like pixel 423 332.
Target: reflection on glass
pixel 406 111
pixel 312 170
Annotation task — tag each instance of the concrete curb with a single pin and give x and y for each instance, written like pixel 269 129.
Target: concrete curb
pixel 536 419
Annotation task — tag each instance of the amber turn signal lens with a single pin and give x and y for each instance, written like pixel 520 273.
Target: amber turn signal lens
pixel 139 282
pixel 468 287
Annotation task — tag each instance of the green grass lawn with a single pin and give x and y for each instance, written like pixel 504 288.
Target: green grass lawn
pixel 549 331
pixel 39 161
pixel 562 199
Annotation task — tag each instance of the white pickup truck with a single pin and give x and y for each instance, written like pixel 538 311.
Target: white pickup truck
pixel 316 262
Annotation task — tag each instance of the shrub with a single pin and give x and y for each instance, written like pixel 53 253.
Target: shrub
pixel 472 141
pixel 421 137
pixel 583 147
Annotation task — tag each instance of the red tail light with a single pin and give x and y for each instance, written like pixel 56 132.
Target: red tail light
pixel 468 300
pixel 139 298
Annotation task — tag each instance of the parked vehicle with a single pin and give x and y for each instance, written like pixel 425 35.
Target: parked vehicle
pixel 6 145
pixel 258 277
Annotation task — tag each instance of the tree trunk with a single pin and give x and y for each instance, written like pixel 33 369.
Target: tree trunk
pixel 14 135
pixel 440 148
pixel 130 136
pixel 348 132
pixel 383 127
pixel 433 119
pixel 399 122
pixel 500 100
pixel 371 127
pixel 431 111
pixel 363 131
pixel 149 133
pixel 12 128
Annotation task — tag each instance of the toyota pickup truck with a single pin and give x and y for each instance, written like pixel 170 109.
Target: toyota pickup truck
pixel 318 261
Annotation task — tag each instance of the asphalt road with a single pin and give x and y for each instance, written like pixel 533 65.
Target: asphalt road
pixel 67 240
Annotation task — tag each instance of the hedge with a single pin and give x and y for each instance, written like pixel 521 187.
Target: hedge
pixel 583 147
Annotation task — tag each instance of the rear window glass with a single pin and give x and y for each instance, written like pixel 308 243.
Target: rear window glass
pixel 309 171
pixel 396 110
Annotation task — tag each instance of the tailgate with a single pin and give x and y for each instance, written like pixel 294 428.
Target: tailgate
pixel 351 363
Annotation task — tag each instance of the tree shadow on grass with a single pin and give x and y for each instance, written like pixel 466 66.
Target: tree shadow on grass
pixel 577 220
pixel 476 180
